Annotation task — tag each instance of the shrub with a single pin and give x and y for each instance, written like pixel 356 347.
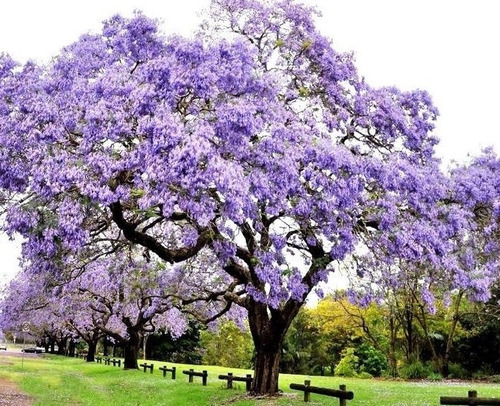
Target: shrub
pixel 415 370
pixel 348 365
pixel 457 371
pixel 371 360
pixel 434 376
pixel 365 375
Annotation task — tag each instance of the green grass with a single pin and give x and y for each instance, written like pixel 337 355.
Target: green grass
pixel 57 380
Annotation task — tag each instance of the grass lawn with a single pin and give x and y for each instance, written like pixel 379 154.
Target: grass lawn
pixel 57 380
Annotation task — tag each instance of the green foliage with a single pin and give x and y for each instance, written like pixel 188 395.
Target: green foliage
pixel 229 346
pixel 457 371
pixel 348 365
pixel 371 360
pixel 365 375
pixel 415 370
pixel 434 376
pixel 306 349
pixel 184 349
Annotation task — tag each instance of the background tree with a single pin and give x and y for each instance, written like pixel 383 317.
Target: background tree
pixel 185 349
pixel 228 346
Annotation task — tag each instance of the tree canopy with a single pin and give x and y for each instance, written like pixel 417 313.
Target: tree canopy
pixel 251 160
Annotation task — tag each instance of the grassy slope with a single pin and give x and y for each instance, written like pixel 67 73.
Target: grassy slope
pixel 56 380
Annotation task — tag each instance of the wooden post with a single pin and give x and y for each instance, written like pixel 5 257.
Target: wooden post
pixel 204 378
pixel 342 402
pixel 307 394
pixel 191 376
pixel 230 380
pixel 173 373
pixel 249 382
pixel 472 394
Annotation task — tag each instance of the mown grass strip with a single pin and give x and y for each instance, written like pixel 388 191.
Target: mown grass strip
pixel 54 381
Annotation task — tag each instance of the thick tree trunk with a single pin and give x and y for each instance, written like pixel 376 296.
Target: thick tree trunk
pixel 105 346
pixel 266 369
pixel 92 350
pixel 268 328
pixel 71 348
pixel 131 350
pixel 61 346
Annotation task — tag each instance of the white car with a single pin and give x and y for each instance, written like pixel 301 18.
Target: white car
pixel 3 346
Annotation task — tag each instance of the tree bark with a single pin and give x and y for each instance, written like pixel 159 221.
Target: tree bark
pixel 393 363
pixel 131 350
pixel 91 351
pixel 268 327
pixel 266 369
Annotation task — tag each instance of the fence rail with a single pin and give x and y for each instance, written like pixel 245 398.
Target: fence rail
pixel 471 399
pixel 230 378
pixel 340 393
pixel 147 366
pixel 165 370
pixel 203 375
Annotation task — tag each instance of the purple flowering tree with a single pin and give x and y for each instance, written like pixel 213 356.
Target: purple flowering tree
pixel 461 260
pixel 254 151
pixel 26 305
pixel 132 296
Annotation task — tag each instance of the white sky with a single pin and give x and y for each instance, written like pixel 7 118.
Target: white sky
pixel 449 48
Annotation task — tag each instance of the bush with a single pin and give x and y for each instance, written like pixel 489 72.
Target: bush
pixel 371 360
pixel 434 376
pixel 365 375
pixel 415 370
pixel 457 371
pixel 348 365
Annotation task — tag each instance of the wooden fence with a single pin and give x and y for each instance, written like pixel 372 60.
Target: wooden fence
pixel 340 393
pixel 165 370
pixel 471 399
pixel 147 366
pixel 192 373
pixel 230 378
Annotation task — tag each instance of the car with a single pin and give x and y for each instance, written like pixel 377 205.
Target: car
pixel 37 350
pixel 3 346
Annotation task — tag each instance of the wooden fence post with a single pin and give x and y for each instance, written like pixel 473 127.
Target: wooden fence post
pixel 342 402
pixel 204 378
pixel 249 382
pixel 191 376
pixel 472 394
pixel 230 380
pixel 307 394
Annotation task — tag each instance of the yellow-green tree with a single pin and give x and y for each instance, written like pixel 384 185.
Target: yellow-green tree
pixel 229 346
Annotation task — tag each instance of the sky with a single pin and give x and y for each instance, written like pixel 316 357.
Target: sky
pixel 449 48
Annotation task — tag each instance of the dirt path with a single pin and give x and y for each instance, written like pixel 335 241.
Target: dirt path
pixel 11 396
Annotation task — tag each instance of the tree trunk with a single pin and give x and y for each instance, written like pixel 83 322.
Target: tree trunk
pixel 131 350
pixel 61 346
pixel 266 369
pixel 71 348
pixel 393 363
pixel 268 328
pixel 445 366
pixel 92 350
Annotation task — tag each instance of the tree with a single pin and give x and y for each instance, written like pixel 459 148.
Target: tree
pixel 261 151
pixel 228 346
pixel 132 296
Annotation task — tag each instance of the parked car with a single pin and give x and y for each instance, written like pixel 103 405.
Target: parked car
pixel 3 346
pixel 37 350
